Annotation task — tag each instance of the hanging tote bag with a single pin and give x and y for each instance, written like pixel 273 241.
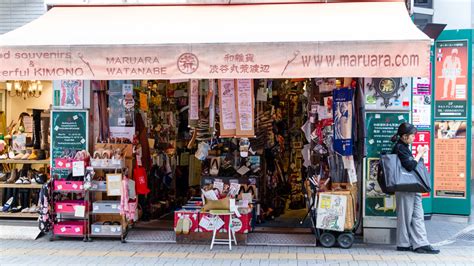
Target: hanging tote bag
pixel 141 180
pixel 393 177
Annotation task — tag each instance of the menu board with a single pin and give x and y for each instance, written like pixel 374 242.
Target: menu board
pixel 450 157
pixel 69 132
pixel 380 128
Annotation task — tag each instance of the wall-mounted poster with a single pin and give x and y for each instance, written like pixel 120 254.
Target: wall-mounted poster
pixel 121 109
pixel 451 79
pixel 450 156
pixel 387 93
pixel 69 94
pixel 227 107
pixel 343 110
pixel 245 101
pixel 331 212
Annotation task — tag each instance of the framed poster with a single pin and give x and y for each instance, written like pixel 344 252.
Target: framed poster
pixel 69 94
pixel 451 74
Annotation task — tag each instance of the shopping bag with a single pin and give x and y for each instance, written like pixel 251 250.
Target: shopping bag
pixel 141 181
pixel 393 177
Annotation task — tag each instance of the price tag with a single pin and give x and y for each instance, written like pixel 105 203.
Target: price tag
pixel 60 164
pixel 60 187
pixel 80 211
pixel 60 207
pixel 74 186
pixel 78 168
pixel 68 165
pixel 77 229
pixel 63 229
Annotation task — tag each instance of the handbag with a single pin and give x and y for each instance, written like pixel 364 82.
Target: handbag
pixel 393 177
pixel 141 180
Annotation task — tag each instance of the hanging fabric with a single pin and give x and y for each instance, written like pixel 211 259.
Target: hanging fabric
pixel 343 110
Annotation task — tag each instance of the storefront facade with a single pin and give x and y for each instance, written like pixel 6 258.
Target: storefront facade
pixel 110 46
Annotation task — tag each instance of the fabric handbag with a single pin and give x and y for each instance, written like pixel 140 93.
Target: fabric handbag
pixel 141 182
pixel 393 177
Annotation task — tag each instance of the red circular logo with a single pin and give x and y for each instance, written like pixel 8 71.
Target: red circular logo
pixel 188 63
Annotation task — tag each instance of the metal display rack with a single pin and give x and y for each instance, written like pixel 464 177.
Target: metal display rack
pixel 96 229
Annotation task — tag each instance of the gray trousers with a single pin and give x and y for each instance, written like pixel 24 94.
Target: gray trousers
pixel 410 220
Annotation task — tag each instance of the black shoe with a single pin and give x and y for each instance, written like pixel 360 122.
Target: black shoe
pixel 427 250
pixel 405 248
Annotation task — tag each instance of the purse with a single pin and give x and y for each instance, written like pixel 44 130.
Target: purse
pixel 393 177
pixel 141 182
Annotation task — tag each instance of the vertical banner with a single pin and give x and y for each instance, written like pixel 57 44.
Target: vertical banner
pixel 450 156
pixel 121 109
pixel 227 108
pixel 342 112
pixel 451 66
pixel 380 128
pixel 245 108
pixel 194 99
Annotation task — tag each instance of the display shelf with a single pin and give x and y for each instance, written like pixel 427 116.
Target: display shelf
pixel 107 167
pixel 32 186
pixel 25 161
pixel 105 213
pixel 19 215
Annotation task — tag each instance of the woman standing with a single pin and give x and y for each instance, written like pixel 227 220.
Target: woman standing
pixel 411 232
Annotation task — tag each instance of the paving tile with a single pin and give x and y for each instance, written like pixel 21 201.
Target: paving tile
pixel 147 254
pixel 120 254
pixel 310 256
pixel 338 257
pixel 67 252
pixel 279 256
pixel 424 258
pixel 14 252
pixel 93 253
pixel 262 256
pixel 174 254
pixel 200 255
pixel 228 256
pixel 395 258
pixel 367 257
pixel 40 252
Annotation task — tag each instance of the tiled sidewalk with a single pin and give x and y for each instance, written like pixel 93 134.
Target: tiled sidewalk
pixel 64 252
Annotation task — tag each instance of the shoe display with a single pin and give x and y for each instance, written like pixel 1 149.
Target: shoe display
pixel 25 157
pixel 13 177
pixel 7 205
pixel 18 156
pixel 427 250
pixel 3 177
pixel 33 156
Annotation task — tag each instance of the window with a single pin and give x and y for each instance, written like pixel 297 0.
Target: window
pixel 424 3
pixel 421 20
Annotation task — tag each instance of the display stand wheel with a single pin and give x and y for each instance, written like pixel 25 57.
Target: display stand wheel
pixel 327 240
pixel 345 240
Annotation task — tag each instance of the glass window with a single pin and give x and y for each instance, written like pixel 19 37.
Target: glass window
pixel 424 3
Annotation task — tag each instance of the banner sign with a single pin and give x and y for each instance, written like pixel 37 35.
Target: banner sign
pixel 227 107
pixel 216 61
pixel 245 104
pixel 451 66
pixel 194 99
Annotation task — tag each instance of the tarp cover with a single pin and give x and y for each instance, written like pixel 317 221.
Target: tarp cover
pixel 217 41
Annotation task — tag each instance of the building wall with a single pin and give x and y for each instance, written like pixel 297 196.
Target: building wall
pixel 457 14
pixel 16 13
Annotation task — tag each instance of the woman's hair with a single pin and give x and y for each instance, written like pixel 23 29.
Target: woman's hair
pixel 404 129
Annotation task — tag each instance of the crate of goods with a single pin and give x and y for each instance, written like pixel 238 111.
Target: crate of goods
pixel 106 207
pixel 70 228
pixel 68 206
pixel 63 185
pixel 99 185
pixel 108 230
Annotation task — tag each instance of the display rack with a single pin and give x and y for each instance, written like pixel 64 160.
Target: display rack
pixel 23 186
pixel 109 208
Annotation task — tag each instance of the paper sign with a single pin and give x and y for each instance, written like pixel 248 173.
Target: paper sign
pixel 227 107
pixel 245 103
pixel 77 229
pixel 331 212
pixel 60 207
pixel 63 229
pixel 78 168
pixel 79 211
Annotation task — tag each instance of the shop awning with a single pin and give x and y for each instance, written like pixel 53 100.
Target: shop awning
pixel 375 39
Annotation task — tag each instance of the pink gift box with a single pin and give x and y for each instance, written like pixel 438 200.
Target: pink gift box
pixel 71 228
pixel 68 206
